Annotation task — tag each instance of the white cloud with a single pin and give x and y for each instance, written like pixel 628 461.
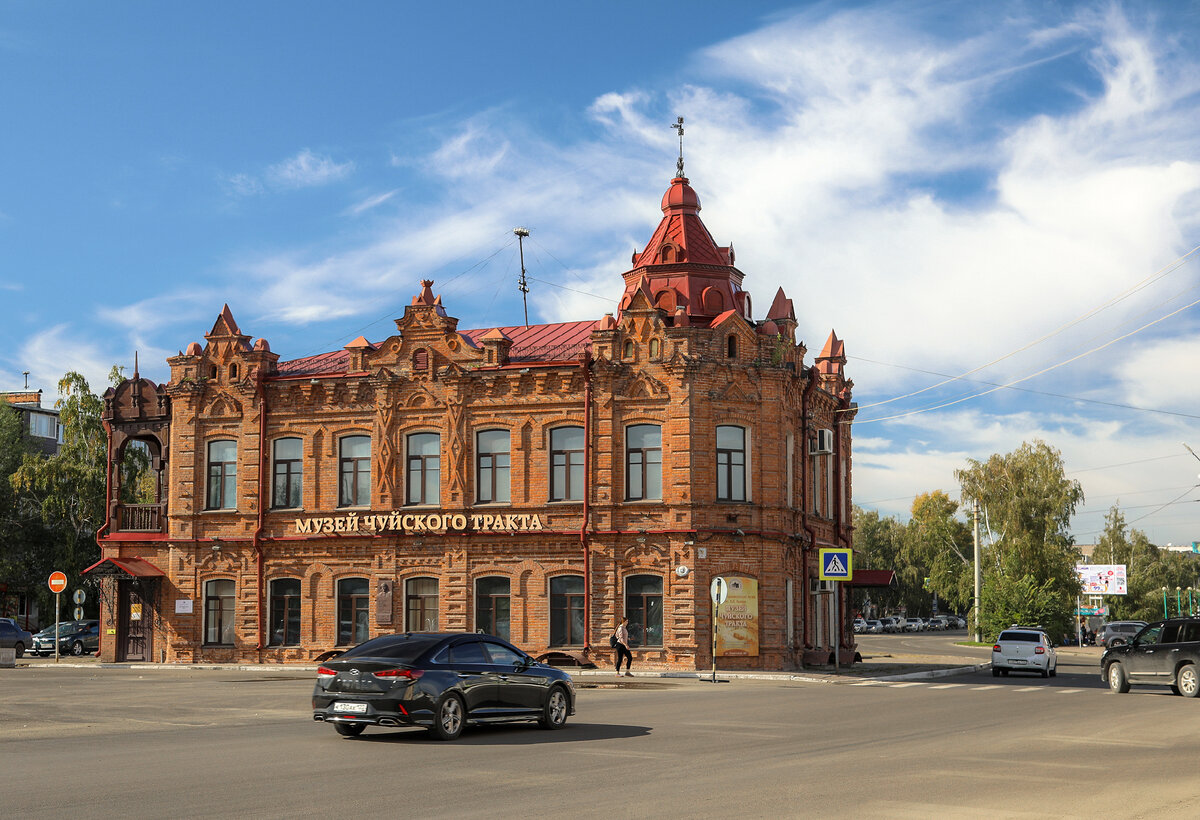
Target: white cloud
pixel 306 170
pixel 372 202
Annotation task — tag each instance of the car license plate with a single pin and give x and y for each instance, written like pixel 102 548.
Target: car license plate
pixel 342 706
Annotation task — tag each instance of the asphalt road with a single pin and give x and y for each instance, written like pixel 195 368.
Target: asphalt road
pixel 187 743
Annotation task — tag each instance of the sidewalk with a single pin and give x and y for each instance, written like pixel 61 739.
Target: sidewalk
pixel 884 667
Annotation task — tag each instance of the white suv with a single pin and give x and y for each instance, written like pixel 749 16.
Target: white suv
pixel 1024 649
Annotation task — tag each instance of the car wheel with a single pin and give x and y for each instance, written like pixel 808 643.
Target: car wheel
pixel 448 719
pixel 20 648
pixel 1117 681
pixel 1114 642
pixel 1188 681
pixel 349 729
pixel 1054 671
pixel 554 713
pixel 1045 673
pixel 77 648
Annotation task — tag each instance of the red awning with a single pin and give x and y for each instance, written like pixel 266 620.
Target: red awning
pixel 882 578
pixel 125 567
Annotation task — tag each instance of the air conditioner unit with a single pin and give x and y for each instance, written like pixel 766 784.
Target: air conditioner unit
pixel 816 586
pixel 821 444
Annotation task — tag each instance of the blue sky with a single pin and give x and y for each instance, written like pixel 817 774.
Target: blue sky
pixel 1007 191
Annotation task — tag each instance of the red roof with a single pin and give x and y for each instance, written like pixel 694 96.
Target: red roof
pixel 533 343
pixel 130 565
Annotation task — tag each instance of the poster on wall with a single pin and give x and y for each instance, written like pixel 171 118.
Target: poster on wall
pixel 737 621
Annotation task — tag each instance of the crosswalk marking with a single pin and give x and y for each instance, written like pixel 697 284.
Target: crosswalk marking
pixel 948 686
pixel 908 683
pixel 1067 691
pixel 1029 689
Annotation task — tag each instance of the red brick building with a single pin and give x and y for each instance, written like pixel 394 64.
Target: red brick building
pixel 535 482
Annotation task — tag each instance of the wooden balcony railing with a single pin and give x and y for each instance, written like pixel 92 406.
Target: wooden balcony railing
pixel 140 517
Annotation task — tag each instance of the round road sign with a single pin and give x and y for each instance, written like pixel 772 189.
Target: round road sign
pixel 79 613
pixel 719 590
pixel 58 582
pixel 79 597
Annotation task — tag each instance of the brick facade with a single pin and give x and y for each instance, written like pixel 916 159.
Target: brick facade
pixel 683 354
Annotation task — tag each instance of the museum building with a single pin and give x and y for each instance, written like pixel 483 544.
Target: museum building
pixel 534 482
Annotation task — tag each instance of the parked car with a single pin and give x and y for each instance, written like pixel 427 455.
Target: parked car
pixel 1166 653
pixel 890 624
pixel 860 626
pixel 875 627
pixel 14 637
pixel 83 641
pixel 1119 633
pixel 43 642
pixel 936 623
pixel 913 625
pixel 1024 649
pixel 441 681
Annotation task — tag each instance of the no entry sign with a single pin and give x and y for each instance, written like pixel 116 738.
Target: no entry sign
pixel 58 582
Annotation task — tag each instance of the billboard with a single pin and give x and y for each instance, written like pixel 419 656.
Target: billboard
pixel 1102 579
pixel 737 625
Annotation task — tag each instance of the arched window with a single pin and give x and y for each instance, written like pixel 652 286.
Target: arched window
pixel 566 610
pixel 222 475
pixel 492 473
pixel 643 462
pixel 285 612
pixel 288 474
pixel 233 372
pixel 731 463
pixel 353 608
pixel 566 464
pixel 218 612
pixel 492 606
pixel 644 609
pixel 421 605
pixel 354 472
pixel 424 468
pixel 655 348
pixel 628 349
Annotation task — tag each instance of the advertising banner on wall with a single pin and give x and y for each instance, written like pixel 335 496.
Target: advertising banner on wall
pixel 737 619
pixel 1102 579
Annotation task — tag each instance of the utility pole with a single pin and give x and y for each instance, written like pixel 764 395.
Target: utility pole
pixel 978 574
pixel 523 286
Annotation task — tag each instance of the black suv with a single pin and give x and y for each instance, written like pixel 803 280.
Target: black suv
pixel 1165 652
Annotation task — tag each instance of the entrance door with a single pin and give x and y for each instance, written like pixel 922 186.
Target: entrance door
pixel 133 639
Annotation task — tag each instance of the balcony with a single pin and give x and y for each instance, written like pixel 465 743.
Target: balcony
pixel 140 518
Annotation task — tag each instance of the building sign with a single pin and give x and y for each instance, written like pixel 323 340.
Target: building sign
pixel 1102 579
pixel 183 606
pixel 410 524
pixel 737 626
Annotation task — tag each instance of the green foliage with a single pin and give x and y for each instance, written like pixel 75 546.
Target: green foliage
pixel 879 544
pixel 1025 600
pixel 24 541
pixel 941 544
pixel 1027 504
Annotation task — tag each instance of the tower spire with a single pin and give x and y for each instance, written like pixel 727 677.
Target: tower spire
pixel 678 126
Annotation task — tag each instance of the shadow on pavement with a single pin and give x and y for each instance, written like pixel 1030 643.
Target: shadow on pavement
pixel 508 734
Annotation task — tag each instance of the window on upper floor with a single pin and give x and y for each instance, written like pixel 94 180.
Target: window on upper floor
pixel 424 468
pixel 288 474
pixel 222 475
pixel 492 457
pixel 731 463
pixel 566 464
pixel 354 472
pixel 643 462
pixel 731 347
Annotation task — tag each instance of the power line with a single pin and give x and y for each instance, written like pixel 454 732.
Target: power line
pixel 1162 272
pixel 1044 370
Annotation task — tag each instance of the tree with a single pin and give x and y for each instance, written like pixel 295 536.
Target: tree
pixel 24 540
pixel 878 544
pixel 941 544
pixel 1027 504
pixel 68 488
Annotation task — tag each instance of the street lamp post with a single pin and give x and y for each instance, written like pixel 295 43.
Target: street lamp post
pixel 1165 615
pixel 1178 602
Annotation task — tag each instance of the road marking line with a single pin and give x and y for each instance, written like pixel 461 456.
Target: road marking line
pixel 908 683
pixel 869 683
pixel 1068 691
pixel 948 686
pixel 1029 689
pixel 984 688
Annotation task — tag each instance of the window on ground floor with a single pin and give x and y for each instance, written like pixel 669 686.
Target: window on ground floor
pixel 218 612
pixel 644 609
pixel 492 606
pixel 421 605
pixel 566 610
pixel 354 607
pixel 285 612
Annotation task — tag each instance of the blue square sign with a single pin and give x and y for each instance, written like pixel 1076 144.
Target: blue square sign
pixel 837 564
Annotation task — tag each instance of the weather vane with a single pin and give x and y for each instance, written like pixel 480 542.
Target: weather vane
pixel 678 126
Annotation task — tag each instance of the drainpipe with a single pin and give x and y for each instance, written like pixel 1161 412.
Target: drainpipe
pixel 586 363
pixel 263 497
pixel 839 490
pixel 804 492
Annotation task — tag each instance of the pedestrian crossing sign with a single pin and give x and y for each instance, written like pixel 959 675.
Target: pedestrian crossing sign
pixel 837 565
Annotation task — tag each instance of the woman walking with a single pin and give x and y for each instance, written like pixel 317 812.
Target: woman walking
pixel 621 644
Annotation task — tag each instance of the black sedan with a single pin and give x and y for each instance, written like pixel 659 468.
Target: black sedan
pixel 440 681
